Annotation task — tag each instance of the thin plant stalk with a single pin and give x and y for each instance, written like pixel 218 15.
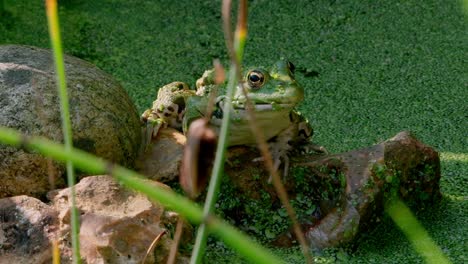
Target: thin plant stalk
pixel 235 51
pixel 279 187
pixel 175 242
pixel 54 33
pixel 216 174
pixel 153 244
pixel 89 163
pixel 55 251
pixel 211 197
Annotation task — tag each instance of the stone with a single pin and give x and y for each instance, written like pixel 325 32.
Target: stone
pixel 347 191
pixel 347 194
pixel 27 227
pixel 401 167
pixel 104 120
pixel 161 161
pixel 117 224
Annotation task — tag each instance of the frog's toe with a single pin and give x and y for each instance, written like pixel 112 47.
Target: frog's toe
pixel 323 150
pixel 258 159
pixel 312 147
pixel 278 160
pixel 154 126
pixel 286 167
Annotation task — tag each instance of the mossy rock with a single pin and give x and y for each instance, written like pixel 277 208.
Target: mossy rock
pixel 337 197
pixel 104 119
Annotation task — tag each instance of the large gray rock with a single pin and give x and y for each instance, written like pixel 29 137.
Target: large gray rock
pixel 104 120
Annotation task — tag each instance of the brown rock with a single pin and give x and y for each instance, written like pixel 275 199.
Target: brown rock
pixel 346 191
pixel 161 161
pixel 117 225
pixel 27 227
pixel 104 120
pixel 399 167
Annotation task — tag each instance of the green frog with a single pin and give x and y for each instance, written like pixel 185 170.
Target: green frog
pixel 274 94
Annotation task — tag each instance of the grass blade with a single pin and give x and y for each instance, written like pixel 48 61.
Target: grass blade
pixel 54 32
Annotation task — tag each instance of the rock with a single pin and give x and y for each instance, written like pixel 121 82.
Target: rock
pixel 104 120
pixel 117 225
pixel 161 161
pixel 27 227
pixel 346 192
pixel 399 167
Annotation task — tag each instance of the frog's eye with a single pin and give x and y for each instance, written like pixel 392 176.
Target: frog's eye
pixel 291 66
pixel 255 79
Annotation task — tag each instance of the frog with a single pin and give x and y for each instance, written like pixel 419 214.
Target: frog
pixel 274 94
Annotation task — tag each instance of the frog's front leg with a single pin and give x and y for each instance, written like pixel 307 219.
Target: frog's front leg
pixel 280 148
pixel 159 117
pixel 297 137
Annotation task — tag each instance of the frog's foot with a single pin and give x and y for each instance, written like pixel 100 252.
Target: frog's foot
pixel 278 159
pixel 276 165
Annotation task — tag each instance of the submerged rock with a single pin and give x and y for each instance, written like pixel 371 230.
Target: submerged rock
pixel 104 120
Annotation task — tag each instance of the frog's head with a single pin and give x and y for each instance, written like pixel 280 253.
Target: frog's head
pixel 270 90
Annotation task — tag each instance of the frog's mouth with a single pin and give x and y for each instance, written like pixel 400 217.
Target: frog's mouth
pixel 263 107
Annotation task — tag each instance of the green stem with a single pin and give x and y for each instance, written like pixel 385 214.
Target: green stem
pixel 235 50
pixel 186 208
pixel 216 174
pixel 54 32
